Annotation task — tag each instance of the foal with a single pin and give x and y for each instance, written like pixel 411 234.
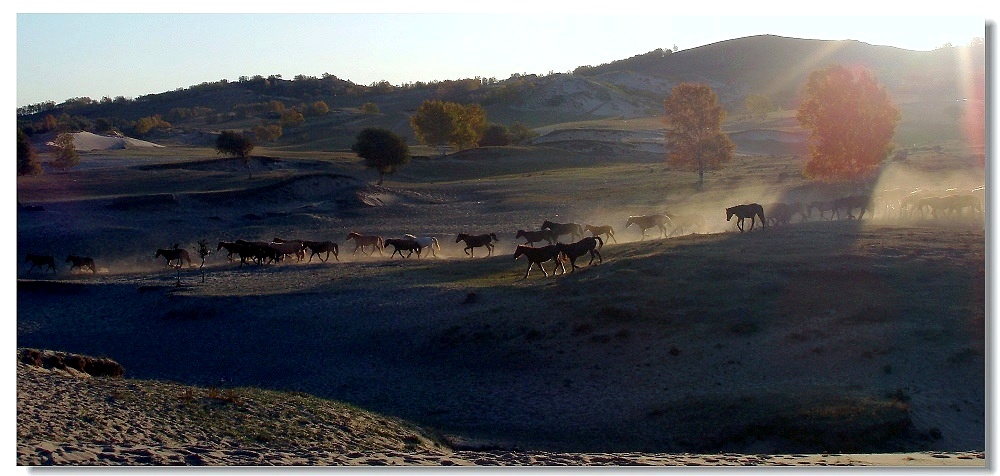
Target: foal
pixel 601 230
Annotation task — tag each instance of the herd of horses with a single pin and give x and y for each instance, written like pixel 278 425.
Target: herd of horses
pixel 915 204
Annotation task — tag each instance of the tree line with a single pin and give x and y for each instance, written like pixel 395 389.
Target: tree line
pixel 849 116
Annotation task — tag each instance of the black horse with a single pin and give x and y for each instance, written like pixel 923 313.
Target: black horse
pixel 742 212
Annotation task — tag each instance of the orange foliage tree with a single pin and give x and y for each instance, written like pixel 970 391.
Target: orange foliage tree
pixel 694 136
pixel 851 121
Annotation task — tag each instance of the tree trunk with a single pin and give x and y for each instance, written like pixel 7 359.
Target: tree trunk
pixel 701 175
pixel 381 177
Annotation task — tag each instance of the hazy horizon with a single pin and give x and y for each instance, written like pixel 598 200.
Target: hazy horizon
pixel 69 55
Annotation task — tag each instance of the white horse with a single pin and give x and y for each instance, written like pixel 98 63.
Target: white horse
pixel 428 242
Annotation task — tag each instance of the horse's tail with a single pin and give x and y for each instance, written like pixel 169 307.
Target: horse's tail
pixel 600 242
pixel 435 244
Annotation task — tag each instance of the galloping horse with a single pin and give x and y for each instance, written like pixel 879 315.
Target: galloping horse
pixel 475 241
pixel 426 242
pixel 361 241
pixel 601 230
pixel 317 247
pixel 749 210
pixel 560 229
pixel 645 222
pixel 580 248
pixel 174 254
pixel 81 262
pixel 40 261
pixel 403 244
pixel 532 237
pixel 539 256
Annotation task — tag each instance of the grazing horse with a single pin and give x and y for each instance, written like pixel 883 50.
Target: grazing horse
pixel 849 204
pixel 317 247
pixel 403 244
pixel 361 241
pixel 742 212
pixel 475 241
pixel 428 242
pixel 686 222
pixel 532 237
pixel 174 254
pixel 580 248
pixel 645 222
pixel 539 256
pixel 40 261
pixel 601 230
pixel 81 262
pixel 560 229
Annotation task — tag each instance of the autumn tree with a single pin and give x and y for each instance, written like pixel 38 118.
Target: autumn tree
pixel 851 121
pixel 470 124
pixel 369 108
pixel 694 136
pixel 66 155
pixel 267 133
pixel 237 145
pixel 27 159
pixel 433 123
pixel 495 135
pixel 382 150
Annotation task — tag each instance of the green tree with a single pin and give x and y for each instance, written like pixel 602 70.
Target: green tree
pixel 369 108
pixel 27 159
pixel 520 133
pixel 694 136
pixel 382 150
pixel 433 123
pixel 495 135
pixel 237 145
pixel 758 105
pixel 851 120
pixel 66 155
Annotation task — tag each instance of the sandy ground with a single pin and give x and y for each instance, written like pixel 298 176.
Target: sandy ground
pixel 68 418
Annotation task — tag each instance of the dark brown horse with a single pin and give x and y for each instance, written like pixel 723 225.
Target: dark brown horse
pixel 590 244
pixel 742 212
pixel 539 256
pixel 532 237
pixel 41 261
pixel 174 254
pixel 575 230
pixel 475 241
pixel 81 262
pixel 400 244
pixel 317 247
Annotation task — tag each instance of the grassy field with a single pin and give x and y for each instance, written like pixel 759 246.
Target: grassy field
pixel 839 336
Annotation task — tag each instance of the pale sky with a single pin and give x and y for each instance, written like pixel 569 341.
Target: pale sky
pixel 85 54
